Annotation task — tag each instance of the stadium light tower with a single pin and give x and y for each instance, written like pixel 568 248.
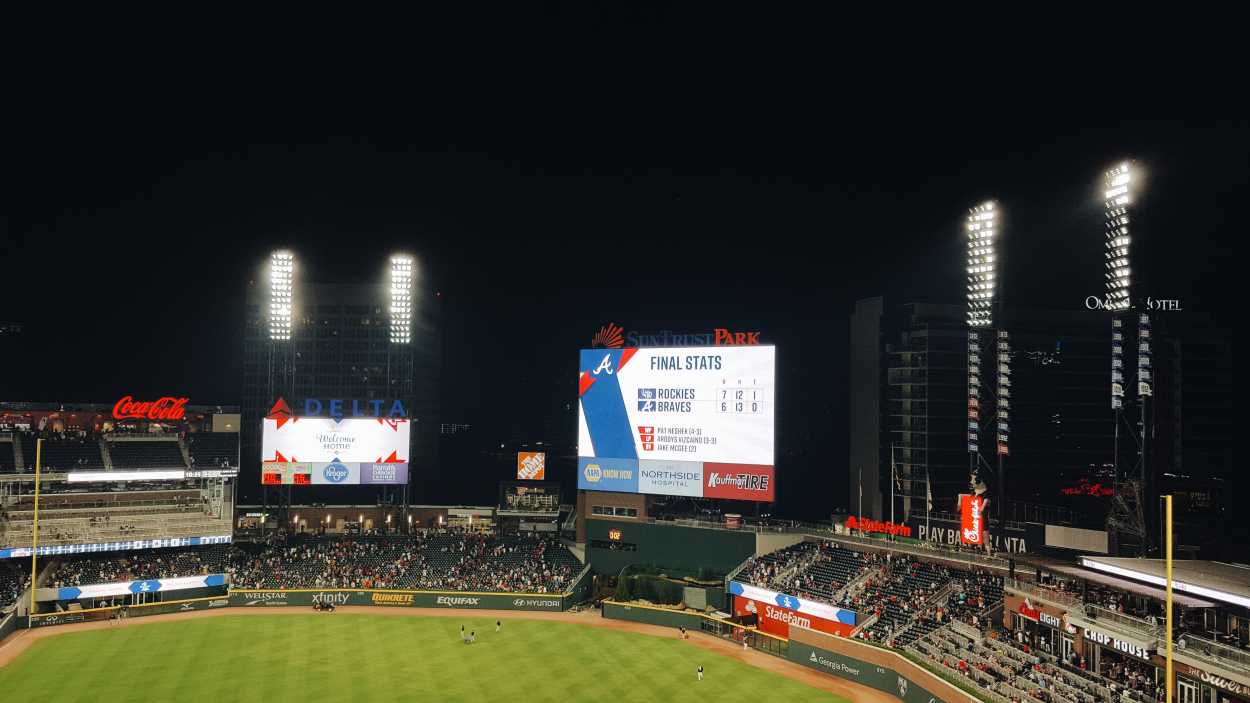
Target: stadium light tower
pixel 400 357
pixel 281 322
pixel 982 228
pixel 1133 489
pixel 401 299
pixel 281 295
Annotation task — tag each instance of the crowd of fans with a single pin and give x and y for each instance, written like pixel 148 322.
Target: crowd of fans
pixel 13 582
pixel 138 566
pixel 438 560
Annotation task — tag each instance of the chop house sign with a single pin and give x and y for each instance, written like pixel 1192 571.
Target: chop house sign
pixel 166 408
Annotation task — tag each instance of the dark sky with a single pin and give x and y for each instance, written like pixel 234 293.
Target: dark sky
pixel 129 233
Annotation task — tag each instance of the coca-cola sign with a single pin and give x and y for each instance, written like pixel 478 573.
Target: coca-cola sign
pixel 165 408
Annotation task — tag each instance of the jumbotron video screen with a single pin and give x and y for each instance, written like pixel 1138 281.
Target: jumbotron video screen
pixel 322 451
pixel 687 421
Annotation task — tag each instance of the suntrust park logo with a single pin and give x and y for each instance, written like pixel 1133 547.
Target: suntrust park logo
pixel 453 601
pixel 613 336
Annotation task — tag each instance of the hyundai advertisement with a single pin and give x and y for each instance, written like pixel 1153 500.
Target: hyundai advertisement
pixel 688 421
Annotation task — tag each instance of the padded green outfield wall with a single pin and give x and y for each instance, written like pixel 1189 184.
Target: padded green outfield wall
pixel 402 599
pixel 651 616
pixel 674 546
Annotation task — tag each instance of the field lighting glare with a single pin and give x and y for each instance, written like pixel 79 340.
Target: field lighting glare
pixel 401 299
pixel 1117 199
pixel 281 294
pixel 981 228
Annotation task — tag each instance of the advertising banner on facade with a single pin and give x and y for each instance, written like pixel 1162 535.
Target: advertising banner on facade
pixel 414 599
pixel 674 478
pixel 775 619
pixel 697 406
pixel 126 588
pixel 127 545
pixel 795 604
pixel 972 519
pixel 531 466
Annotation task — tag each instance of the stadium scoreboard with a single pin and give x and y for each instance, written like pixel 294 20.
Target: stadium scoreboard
pixel 311 451
pixel 690 421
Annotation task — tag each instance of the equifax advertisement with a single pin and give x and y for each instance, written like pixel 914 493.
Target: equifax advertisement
pixel 691 421
pixel 322 439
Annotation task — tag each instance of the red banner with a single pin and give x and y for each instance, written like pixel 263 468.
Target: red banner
pixel 738 482
pixel 776 620
pixel 972 519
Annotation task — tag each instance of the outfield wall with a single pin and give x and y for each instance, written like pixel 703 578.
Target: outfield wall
pixel 875 667
pixel 550 602
pixel 652 616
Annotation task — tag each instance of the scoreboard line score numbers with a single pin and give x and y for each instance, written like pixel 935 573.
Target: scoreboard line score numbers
pixel 740 396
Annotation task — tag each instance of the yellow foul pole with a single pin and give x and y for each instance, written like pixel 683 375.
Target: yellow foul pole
pixel 1167 681
pixel 34 531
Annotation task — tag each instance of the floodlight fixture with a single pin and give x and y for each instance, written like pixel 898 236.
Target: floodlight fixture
pixel 281 295
pixel 981 228
pixel 401 298
pixel 1117 197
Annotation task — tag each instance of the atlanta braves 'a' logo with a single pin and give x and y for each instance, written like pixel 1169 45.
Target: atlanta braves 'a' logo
pixel 605 366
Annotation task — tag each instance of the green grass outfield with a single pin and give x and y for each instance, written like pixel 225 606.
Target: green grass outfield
pixel 348 657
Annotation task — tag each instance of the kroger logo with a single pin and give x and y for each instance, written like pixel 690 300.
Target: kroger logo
pixel 335 472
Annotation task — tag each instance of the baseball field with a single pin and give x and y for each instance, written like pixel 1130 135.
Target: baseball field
pixel 342 656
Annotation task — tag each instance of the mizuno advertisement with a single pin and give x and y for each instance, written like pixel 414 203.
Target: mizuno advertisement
pixel 678 414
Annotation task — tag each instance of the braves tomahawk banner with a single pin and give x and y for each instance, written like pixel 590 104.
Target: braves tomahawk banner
pixel 777 611
pixel 689 421
pixel 126 588
pixel 971 519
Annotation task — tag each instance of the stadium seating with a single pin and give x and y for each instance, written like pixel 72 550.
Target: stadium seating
pixel 214 449
pixel 13 581
pixel 8 460
pixel 146 454
pixel 70 453
pixel 443 560
pixel 137 566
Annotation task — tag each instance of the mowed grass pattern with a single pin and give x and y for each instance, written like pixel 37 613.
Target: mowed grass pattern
pixel 342 657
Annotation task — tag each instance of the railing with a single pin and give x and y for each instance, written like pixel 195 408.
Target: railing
pixel 1063 598
pixel 1129 623
pixel 1230 657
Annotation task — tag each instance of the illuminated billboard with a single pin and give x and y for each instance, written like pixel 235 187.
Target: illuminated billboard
pixel 316 451
pixel 690 421
pixel 323 439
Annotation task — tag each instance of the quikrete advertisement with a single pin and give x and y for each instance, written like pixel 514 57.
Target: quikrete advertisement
pixel 687 421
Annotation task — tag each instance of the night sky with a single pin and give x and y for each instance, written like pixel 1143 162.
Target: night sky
pixel 128 239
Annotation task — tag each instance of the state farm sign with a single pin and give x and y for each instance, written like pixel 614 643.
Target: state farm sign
pixel 164 408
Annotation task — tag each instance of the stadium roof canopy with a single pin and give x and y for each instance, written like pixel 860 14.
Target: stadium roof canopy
pixel 1216 580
